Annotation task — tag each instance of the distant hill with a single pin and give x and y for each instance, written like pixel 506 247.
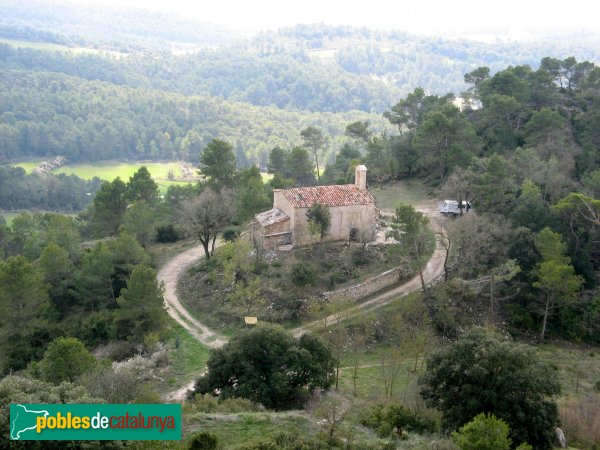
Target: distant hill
pixel 304 68
pixel 45 113
pixel 123 29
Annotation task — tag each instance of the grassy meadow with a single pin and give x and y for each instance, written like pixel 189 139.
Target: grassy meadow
pixel 109 170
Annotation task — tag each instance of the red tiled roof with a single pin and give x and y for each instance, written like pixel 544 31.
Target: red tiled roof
pixel 338 195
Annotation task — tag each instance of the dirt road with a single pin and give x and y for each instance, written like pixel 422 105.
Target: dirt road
pixel 172 271
pixel 169 275
pixel 433 270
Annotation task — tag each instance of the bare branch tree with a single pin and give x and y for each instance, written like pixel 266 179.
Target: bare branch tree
pixel 203 217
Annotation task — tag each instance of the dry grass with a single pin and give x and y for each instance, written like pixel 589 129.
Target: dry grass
pixel 580 419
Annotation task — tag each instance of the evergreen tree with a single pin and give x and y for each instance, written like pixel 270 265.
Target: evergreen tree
pixel 141 187
pixel 141 309
pixel 218 162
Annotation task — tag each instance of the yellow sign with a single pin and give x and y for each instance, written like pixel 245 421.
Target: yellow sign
pixel 250 320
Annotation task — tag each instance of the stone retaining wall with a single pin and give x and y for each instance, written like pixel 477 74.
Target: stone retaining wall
pixel 369 286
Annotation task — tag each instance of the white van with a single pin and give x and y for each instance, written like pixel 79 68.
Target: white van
pixel 450 207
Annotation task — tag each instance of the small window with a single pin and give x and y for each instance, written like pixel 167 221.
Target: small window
pixel 354 234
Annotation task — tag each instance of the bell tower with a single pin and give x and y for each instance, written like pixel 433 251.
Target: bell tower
pixel 360 177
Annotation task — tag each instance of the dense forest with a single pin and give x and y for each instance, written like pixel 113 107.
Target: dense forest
pixel 525 150
pixel 46 113
pixel 67 193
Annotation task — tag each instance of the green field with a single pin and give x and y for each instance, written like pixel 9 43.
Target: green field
pixel 29 165
pixel 109 170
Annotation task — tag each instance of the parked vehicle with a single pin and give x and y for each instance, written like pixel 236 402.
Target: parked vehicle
pixel 450 207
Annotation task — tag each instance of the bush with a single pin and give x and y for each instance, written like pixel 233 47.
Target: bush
pixel 66 359
pixel 204 441
pixel 484 432
pixel 95 328
pixel 205 403
pixel 263 444
pixel 230 234
pixel 360 256
pixel 524 446
pixel 289 367
pixel 303 274
pixel 386 419
pixel 519 318
pixel 167 233
pixel 114 387
pixel 206 265
pixel 339 276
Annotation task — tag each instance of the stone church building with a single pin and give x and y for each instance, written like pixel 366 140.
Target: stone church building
pixel 352 209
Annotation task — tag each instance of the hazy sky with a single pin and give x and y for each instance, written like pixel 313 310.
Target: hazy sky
pixel 508 18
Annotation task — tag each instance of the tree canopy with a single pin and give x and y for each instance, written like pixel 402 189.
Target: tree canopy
pixel 269 366
pixel 482 373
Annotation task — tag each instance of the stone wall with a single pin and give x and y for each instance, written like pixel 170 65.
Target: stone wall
pixel 369 286
pixel 343 219
pixel 271 236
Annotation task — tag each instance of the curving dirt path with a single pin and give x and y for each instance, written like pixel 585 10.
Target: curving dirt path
pixel 169 275
pixel 433 270
pixel 172 271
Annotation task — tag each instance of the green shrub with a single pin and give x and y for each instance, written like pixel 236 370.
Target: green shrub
pixel 206 265
pixel 385 419
pixel 230 234
pixel 484 432
pixel 303 274
pixel 519 317
pixel 524 446
pixel 360 256
pixel 340 276
pixel 264 444
pixel 65 359
pixel 204 441
pixel 597 387
pixel 205 403
pixel 332 282
pixel 95 328
pixel 167 233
